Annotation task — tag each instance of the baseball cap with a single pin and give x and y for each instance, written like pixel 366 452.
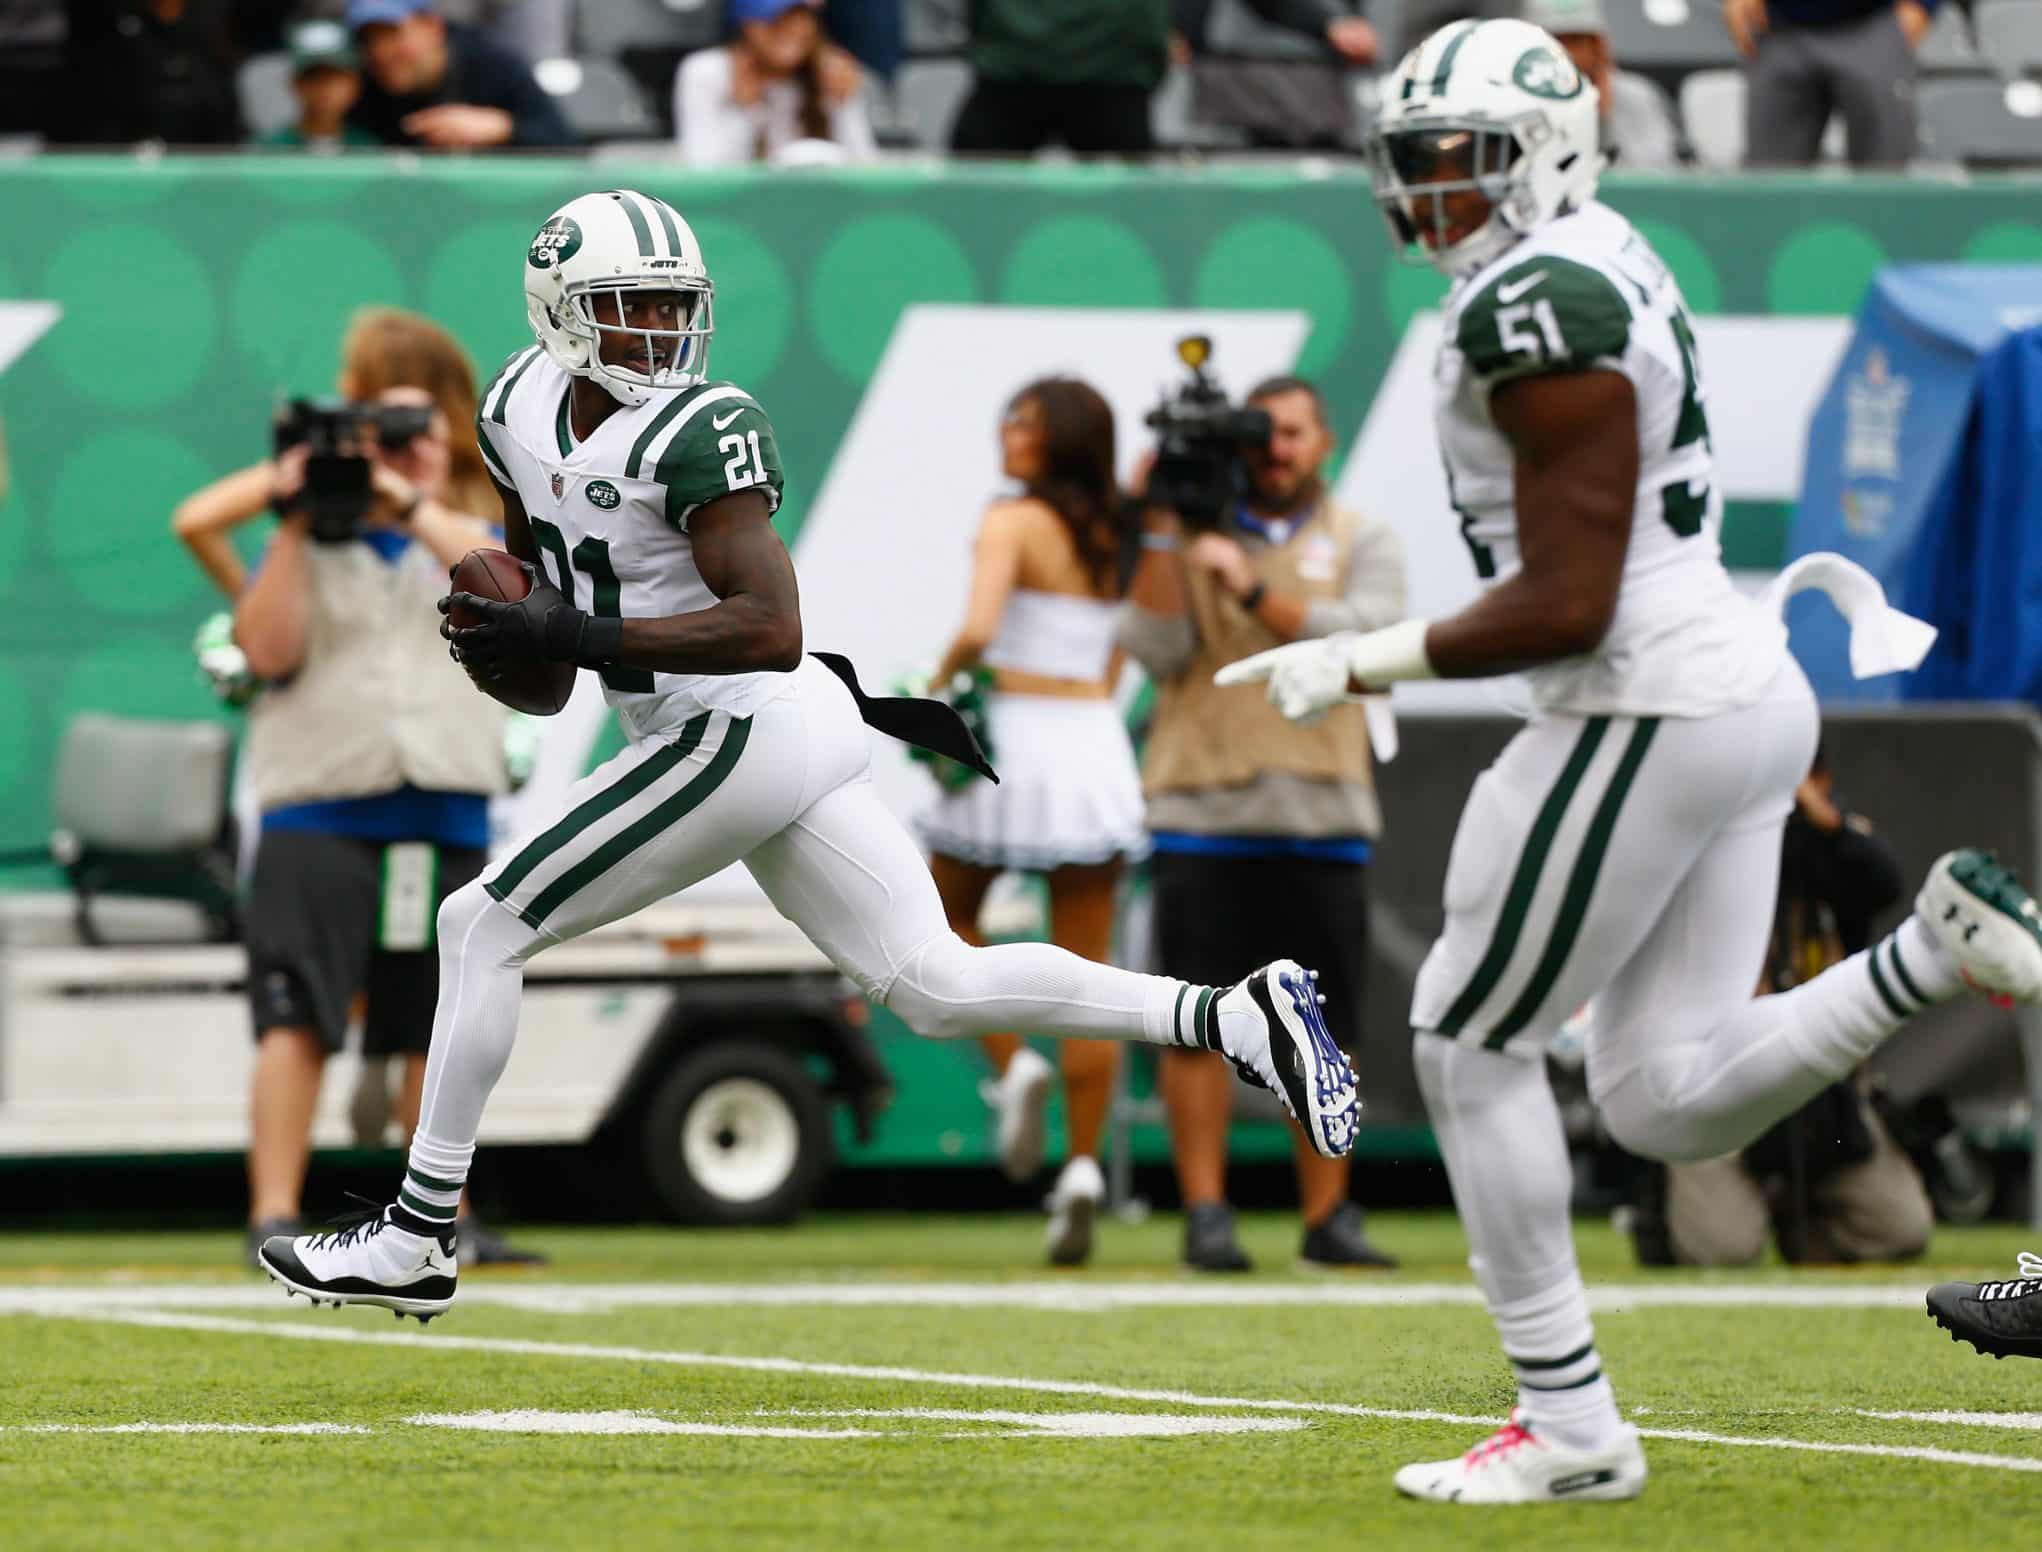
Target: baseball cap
pixel 366 13
pixel 1560 17
pixel 740 11
pixel 321 46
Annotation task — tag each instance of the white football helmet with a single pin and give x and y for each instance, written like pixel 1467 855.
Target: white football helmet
pixel 593 250
pixel 1495 107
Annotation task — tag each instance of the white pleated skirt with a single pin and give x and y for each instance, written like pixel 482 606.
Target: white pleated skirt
pixel 1069 792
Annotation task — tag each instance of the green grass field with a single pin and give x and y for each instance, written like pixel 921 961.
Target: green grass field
pixel 904 1382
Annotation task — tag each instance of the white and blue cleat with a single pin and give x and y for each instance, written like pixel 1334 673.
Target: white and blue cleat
pixel 1293 1054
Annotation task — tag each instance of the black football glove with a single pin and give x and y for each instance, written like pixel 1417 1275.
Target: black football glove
pixel 541 627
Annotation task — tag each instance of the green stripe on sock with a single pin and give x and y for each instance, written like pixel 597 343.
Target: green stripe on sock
pixel 432 1212
pixel 1580 888
pixel 641 831
pixel 1886 996
pixel 1198 1019
pixel 1177 1013
pixel 1900 969
pixel 414 1177
pixel 1576 1356
pixel 1524 882
pixel 1589 1379
pixel 606 802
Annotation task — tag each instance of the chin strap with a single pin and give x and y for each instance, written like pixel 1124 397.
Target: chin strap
pixel 927 724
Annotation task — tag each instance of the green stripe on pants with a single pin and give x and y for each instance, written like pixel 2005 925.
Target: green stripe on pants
pixel 1525 882
pixel 608 801
pixel 1580 888
pixel 643 830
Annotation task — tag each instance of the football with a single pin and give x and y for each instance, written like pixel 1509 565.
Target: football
pixel 537 689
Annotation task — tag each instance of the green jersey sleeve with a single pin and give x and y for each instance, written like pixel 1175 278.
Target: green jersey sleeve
pixel 727 445
pixel 1547 314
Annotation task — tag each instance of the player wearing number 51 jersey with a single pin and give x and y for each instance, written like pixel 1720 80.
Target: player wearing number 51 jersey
pixel 1625 847
pixel 640 492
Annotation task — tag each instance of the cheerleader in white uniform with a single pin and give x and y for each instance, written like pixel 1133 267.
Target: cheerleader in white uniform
pixel 1046 586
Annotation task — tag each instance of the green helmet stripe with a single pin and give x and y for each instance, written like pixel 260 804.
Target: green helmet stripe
pixel 1446 56
pixel 666 219
pixel 640 228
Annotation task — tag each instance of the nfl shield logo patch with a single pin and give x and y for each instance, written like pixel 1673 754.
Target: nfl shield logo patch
pixel 559 484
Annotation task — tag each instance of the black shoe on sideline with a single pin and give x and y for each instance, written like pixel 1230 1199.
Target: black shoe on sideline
pixel 1342 1241
pixel 481 1247
pixel 1209 1243
pixel 2000 1318
pixel 289 1228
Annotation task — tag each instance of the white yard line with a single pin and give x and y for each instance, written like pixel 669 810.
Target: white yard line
pixel 426 1342
pixel 1070 1296
pixel 302 1428
pixel 2024 1422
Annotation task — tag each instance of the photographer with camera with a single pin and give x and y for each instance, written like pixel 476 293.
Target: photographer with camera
pixel 371 756
pixel 1261 828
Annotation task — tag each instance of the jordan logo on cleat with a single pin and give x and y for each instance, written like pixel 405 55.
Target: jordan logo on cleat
pixel 1580 1482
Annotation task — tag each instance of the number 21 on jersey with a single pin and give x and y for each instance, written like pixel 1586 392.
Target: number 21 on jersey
pixel 743 463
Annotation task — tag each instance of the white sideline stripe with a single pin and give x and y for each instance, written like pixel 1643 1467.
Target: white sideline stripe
pixel 1070 1425
pixel 302 1428
pixel 1074 1297
pixel 423 1342
pixel 525 1420
pixel 2025 1422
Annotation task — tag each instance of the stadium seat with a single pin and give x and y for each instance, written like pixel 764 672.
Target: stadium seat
pixel 1667 39
pixel 927 94
pixel 1712 114
pixel 2010 36
pixel 936 27
pixel 609 27
pixel 1990 123
pixel 598 99
pixel 1948 49
pixel 263 85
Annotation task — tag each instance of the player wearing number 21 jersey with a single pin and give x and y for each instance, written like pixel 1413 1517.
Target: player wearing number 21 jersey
pixel 640 493
pixel 1625 846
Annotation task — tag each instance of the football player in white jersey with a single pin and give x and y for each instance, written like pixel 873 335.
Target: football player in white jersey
pixel 640 493
pixel 1625 846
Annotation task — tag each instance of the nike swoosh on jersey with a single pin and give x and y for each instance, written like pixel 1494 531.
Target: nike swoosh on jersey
pixel 1512 293
pixel 720 421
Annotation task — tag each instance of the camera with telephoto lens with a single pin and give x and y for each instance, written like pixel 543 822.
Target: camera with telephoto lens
pixel 337 493
pixel 1198 473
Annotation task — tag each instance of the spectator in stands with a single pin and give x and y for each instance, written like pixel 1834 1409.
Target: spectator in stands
pixel 778 91
pixel 1261 828
pixel 1639 131
pixel 1829 1182
pixel 1039 625
pixel 1079 72
pixel 873 32
pixel 1277 70
pixel 1807 59
pixel 326 83
pixel 363 830
pixel 437 84
pixel 151 70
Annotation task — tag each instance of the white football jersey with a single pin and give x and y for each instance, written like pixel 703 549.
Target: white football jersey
pixel 1586 292
pixel 609 516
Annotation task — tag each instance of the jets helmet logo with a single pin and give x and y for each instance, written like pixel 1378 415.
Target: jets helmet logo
pixel 1546 72
pixel 558 241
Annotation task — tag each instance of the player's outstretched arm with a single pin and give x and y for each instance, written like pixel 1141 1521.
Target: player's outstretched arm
pixel 1574 437
pixel 755 626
